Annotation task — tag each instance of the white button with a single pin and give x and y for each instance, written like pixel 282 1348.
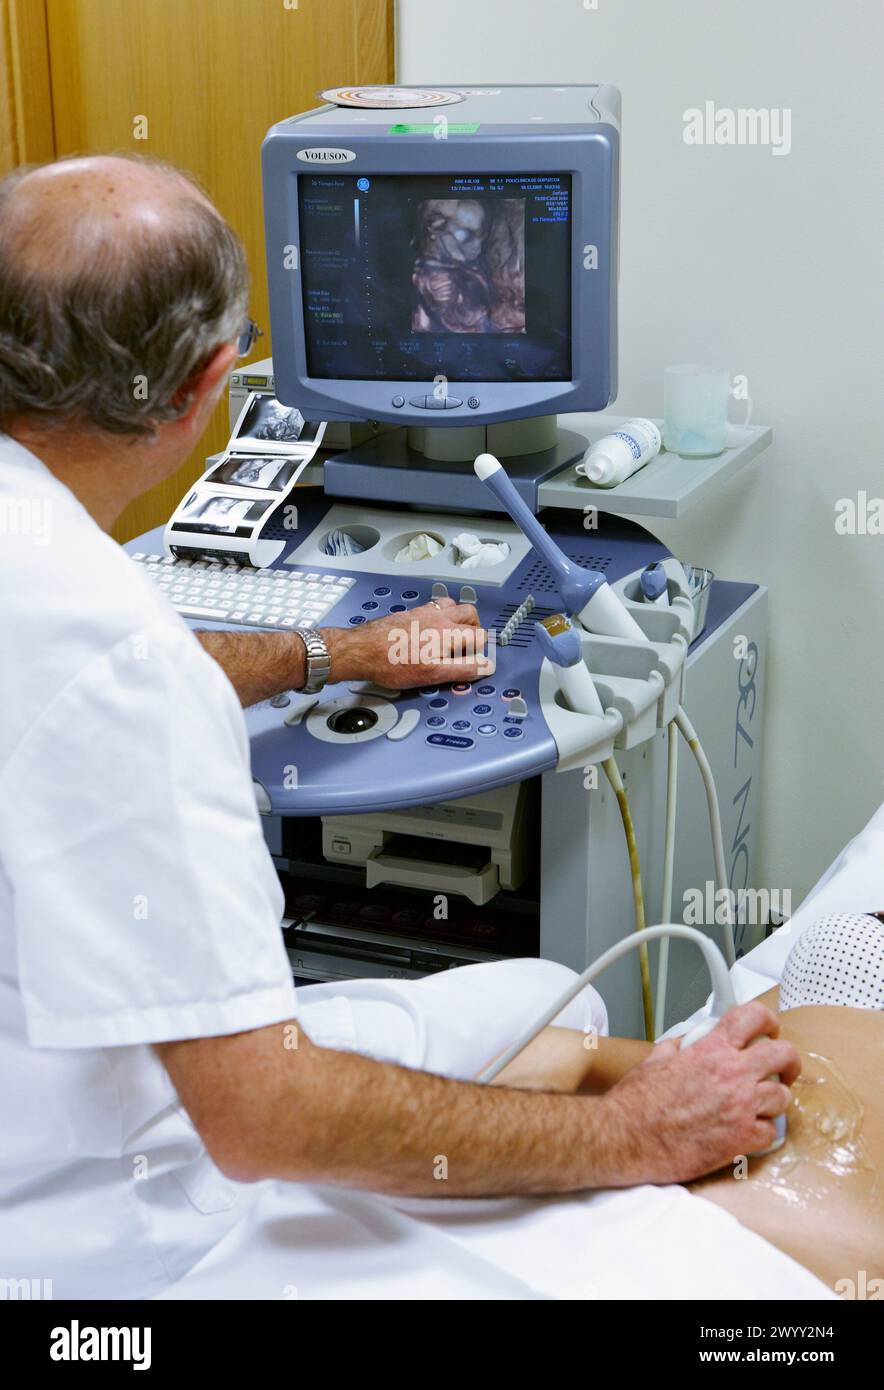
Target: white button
pixel 406 725
pixel 188 610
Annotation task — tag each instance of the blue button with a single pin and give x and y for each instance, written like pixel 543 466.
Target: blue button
pixel 382 592
pixel 487 729
pixel 429 690
pixel 398 608
pixel 485 689
pixel 450 741
pixel 439 703
pixel 511 694
pixel 435 721
pixel 514 731
pixel 354 622
pixel 461 724
pixel 462 688
pixel 481 709
pixel 409 593
pixel 370 606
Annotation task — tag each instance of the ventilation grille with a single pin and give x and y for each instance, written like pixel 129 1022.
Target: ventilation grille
pixel 540 578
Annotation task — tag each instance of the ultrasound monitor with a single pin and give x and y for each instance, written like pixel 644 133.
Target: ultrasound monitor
pixel 451 269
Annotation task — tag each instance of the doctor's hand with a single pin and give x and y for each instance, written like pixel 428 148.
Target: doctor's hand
pixel 681 1115
pixel 431 645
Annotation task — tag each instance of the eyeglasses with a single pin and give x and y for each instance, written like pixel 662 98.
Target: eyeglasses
pixel 248 337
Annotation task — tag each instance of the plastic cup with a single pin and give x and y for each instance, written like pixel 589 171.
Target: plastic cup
pixel 695 410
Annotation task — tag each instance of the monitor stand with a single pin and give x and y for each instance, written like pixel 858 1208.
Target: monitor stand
pixel 433 467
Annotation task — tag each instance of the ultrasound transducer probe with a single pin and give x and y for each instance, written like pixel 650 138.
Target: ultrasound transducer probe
pixel 586 594
pixel 560 642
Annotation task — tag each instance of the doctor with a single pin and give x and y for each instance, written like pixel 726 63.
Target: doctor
pixel 154 1057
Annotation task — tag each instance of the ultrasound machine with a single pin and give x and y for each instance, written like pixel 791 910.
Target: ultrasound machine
pixel 443 286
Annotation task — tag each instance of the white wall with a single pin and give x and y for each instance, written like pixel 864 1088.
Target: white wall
pixel 771 265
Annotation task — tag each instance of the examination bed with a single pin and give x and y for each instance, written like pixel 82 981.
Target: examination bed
pixel 648 1242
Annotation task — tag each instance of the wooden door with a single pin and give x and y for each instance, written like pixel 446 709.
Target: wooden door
pixel 196 82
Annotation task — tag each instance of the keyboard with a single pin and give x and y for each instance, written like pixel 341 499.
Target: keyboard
pixel 211 591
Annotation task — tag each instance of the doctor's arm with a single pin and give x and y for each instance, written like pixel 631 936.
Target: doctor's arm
pixel 442 643
pixel 266 1109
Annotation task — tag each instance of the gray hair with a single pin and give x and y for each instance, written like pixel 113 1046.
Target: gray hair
pixel 111 340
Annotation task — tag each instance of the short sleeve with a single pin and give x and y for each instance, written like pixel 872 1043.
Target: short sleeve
pixel 146 905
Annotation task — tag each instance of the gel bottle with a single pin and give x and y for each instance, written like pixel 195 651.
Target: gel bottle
pixel 617 456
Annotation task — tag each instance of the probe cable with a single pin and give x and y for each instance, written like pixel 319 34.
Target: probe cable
pixel 722 989
pixel 668 868
pixel 690 735
pixel 612 772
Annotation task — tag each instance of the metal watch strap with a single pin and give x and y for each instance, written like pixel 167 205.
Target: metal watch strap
pixel 318 663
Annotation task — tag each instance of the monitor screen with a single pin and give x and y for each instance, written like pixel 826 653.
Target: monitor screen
pixel 411 277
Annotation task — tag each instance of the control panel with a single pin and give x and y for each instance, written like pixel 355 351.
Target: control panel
pixel 359 747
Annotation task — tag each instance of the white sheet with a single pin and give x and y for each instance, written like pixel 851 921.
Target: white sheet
pixel 314 1243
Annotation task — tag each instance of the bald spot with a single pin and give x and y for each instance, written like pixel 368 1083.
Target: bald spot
pixel 64 215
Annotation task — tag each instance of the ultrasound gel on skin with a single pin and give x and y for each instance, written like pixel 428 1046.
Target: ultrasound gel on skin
pixel 617 456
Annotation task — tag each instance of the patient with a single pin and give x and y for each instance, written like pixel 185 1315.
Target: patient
pixel 820 1198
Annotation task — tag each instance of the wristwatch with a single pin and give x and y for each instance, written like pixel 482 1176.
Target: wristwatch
pixel 318 660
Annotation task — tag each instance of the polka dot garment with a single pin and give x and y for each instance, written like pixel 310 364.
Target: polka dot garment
pixel 837 960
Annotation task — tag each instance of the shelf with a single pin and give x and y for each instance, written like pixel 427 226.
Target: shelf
pixel 668 486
